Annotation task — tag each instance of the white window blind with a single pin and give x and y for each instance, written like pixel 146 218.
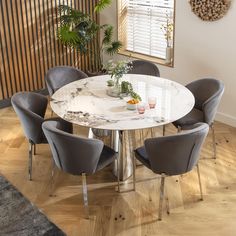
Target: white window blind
pixel 140 25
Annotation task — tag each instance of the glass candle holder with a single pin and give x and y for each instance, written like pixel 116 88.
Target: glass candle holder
pixel 152 102
pixel 141 108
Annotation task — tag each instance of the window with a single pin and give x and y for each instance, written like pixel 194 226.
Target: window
pixel 145 27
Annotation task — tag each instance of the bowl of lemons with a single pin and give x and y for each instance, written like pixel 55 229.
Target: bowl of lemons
pixel 132 104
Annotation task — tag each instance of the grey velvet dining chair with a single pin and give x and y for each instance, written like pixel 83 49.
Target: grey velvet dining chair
pixel 144 68
pixel 59 76
pixel 207 93
pixel 30 108
pixel 172 155
pixel 78 156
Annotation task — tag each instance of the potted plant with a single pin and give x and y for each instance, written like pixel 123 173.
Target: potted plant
pixel 168 33
pixel 116 87
pixel 78 29
pixel 116 70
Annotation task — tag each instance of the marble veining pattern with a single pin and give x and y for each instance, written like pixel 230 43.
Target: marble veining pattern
pixel 86 103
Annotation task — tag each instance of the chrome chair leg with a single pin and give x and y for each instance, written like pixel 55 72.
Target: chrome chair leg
pixel 34 149
pixel 213 141
pixel 200 183
pixel 167 206
pixel 30 160
pixel 118 174
pixel 131 146
pixel 90 133
pixel 85 195
pixel 161 196
pixel 52 178
pixel 179 129
pixel 111 139
pixel 163 130
pixel 134 171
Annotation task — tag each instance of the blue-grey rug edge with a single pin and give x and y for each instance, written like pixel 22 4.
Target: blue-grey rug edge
pixel 19 216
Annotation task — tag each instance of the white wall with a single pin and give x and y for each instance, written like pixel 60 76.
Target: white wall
pixel 202 49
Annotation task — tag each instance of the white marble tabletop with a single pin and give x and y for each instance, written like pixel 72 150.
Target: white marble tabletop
pixel 85 102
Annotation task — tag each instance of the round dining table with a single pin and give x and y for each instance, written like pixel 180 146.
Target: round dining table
pixel 86 103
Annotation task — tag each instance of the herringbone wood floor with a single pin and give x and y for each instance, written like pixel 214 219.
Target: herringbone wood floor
pixel 127 213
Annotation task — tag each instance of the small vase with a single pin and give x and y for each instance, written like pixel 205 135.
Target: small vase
pixel 114 91
pixel 169 54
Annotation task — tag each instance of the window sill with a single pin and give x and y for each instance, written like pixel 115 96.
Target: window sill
pixel 147 58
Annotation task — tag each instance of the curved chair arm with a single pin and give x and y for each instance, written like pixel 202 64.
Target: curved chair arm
pixel 30 108
pixel 39 106
pixel 32 124
pixel 209 107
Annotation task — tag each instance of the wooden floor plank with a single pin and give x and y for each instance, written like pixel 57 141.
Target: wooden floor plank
pixel 127 213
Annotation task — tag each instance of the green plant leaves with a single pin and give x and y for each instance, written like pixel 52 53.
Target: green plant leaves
pixel 77 30
pixel 108 32
pixel 67 36
pixel 102 4
pixel 113 48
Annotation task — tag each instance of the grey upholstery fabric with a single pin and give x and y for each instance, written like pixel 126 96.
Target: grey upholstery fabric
pixel 59 76
pixel 207 93
pixel 76 155
pixel 141 155
pixel 144 68
pixel 30 108
pixel 194 116
pixel 175 154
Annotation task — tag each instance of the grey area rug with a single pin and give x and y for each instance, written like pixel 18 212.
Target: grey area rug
pixel 19 217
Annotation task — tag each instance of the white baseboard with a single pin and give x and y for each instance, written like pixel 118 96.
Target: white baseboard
pixel 225 118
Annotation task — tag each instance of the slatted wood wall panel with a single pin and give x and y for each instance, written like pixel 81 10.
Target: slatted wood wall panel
pixel 29 46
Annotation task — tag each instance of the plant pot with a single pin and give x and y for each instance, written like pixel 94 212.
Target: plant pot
pixel 113 91
pixel 169 55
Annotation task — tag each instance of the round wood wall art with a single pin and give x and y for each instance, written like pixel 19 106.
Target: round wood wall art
pixel 210 10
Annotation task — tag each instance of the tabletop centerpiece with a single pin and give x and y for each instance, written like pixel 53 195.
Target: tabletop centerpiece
pixel 116 70
pixel 118 88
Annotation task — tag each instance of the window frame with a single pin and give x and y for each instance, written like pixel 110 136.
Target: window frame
pixel 141 56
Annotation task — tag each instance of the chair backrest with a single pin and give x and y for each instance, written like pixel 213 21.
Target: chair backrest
pixel 207 93
pixel 59 76
pixel 30 108
pixel 72 154
pixel 144 68
pixel 176 154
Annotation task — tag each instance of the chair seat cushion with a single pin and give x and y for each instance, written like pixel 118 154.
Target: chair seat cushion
pixel 108 156
pixel 141 155
pixel 193 117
